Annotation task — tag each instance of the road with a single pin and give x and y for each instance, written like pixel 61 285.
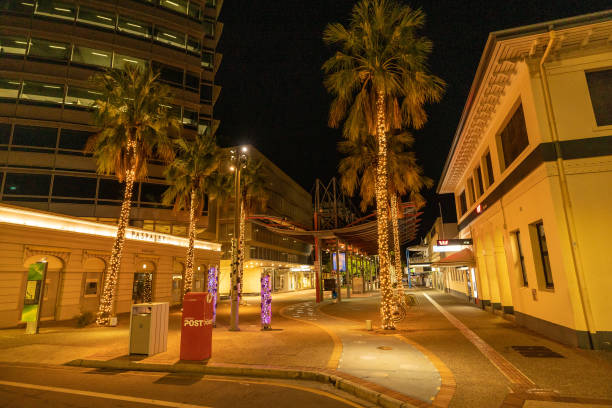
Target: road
pixel 30 386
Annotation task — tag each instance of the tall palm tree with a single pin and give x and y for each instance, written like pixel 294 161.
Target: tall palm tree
pixel 253 196
pixel 135 120
pixel 358 170
pixel 188 176
pixel 378 76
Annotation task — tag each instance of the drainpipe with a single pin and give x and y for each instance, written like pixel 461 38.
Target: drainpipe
pixel 565 197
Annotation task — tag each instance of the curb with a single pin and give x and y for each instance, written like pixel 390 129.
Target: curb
pixel 337 381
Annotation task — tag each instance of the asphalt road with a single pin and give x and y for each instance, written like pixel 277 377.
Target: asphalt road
pixel 25 386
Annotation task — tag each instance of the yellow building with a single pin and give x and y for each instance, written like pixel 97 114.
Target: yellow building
pixel 76 253
pixel 531 170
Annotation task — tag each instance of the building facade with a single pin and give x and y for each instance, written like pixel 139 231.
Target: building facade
pixel 49 50
pixel 287 260
pixel 76 253
pixel 531 168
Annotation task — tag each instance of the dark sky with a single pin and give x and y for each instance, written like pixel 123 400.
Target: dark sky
pixel 273 95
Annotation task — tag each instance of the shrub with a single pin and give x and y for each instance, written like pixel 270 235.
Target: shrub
pixel 85 319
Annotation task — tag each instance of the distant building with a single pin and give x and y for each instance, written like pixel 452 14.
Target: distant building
pixel 531 170
pixel 288 260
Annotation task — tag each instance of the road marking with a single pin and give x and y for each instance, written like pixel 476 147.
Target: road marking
pixel 102 395
pixel 513 374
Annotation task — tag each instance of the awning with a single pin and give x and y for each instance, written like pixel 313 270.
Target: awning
pixel 465 257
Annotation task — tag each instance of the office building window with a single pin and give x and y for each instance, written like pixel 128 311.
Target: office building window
pixel 462 203
pixel 111 189
pixel 134 27
pixel 211 3
pixel 169 74
pixel 544 258
pixel 152 193
pixel 27 184
pixel 38 92
pixel 5 133
pixel 600 89
pixel 170 37
pixel 97 18
pixel 513 137
pixel 13 45
pixel 470 188
pixel 193 45
pixel 55 9
pixel 79 187
pixel 73 139
pixel 49 50
pixel 9 88
pixel 206 92
pixel 180 6
pixel 489 169
pixel 519 250
pixel 203 126
pixel 90 56
pixel 17 6
pixel 208 60
pixel 195 12
pixel 80 98
pixel 190 118
pixel 121 60
pixel 34 136
pixel 192 80
pixel 479 184
pixel 209 28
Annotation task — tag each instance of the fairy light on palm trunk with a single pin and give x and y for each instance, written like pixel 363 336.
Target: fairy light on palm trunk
pixel 107 304
pixel 396 244
pixel 382 210
pixel 190 252
pixel 241 246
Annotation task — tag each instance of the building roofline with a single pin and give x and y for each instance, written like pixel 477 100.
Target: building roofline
pixel 497 36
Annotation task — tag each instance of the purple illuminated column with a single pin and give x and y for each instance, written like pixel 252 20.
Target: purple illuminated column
pixel 266 301
pixel 213 282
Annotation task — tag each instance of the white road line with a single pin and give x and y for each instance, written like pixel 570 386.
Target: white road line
pixel 102 395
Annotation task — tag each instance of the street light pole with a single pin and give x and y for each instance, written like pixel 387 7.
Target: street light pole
pixel 238 162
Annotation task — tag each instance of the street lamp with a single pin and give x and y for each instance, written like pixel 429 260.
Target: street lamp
pixel 238 160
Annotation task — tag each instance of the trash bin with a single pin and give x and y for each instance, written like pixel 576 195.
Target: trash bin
pixel 149 328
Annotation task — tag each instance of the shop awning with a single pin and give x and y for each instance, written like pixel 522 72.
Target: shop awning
pixel 465 257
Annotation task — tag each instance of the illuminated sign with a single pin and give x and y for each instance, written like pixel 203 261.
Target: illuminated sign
pixel 454 242
pixel 447 248
pixel 478 209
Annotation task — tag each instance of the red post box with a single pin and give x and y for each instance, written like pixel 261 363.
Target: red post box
pixel 196 330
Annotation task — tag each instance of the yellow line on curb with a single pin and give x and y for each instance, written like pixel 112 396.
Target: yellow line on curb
pixel 102 395
pixel 334 359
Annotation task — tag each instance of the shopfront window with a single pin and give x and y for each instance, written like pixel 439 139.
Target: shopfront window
pixel 38 92
pixel 78 187
pixel 97 18
pixel 80 98
pixel 170 37
pixel 10 45
pixel 90 56
pixel 49 50
pixel 27 184
pixel 134 27
pixel 55 9
pixel 9 88
pixel 34 136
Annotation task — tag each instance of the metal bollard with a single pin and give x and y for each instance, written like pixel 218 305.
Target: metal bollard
pixel 368 325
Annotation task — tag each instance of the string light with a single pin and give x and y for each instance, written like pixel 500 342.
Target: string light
pixel 147 296
pixel 396 245
pixel 107 303
pixel 190 254
pixel 266 301
pixel 213 282
pixel 382 207
pixel 241 247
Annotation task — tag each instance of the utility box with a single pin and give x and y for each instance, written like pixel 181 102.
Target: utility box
pixel 357 285
pixel 196 327
pixel 149 328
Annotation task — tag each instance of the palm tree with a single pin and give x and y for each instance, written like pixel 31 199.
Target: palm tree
pixel 188 176
pixel 253 196
pixel 358 169
pixel 135 120
pixel 378 77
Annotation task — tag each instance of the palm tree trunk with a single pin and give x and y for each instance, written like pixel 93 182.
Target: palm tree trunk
pixel 396 244
pixel 382 214
pixel 241 246
pixel 107 303
pixel 192 230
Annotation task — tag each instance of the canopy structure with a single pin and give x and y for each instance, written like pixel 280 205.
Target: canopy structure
pixel 361 235
pixel 464 257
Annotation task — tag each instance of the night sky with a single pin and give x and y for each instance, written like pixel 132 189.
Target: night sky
pixel 273 97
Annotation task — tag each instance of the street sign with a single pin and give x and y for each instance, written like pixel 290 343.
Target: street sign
pixel 455 241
